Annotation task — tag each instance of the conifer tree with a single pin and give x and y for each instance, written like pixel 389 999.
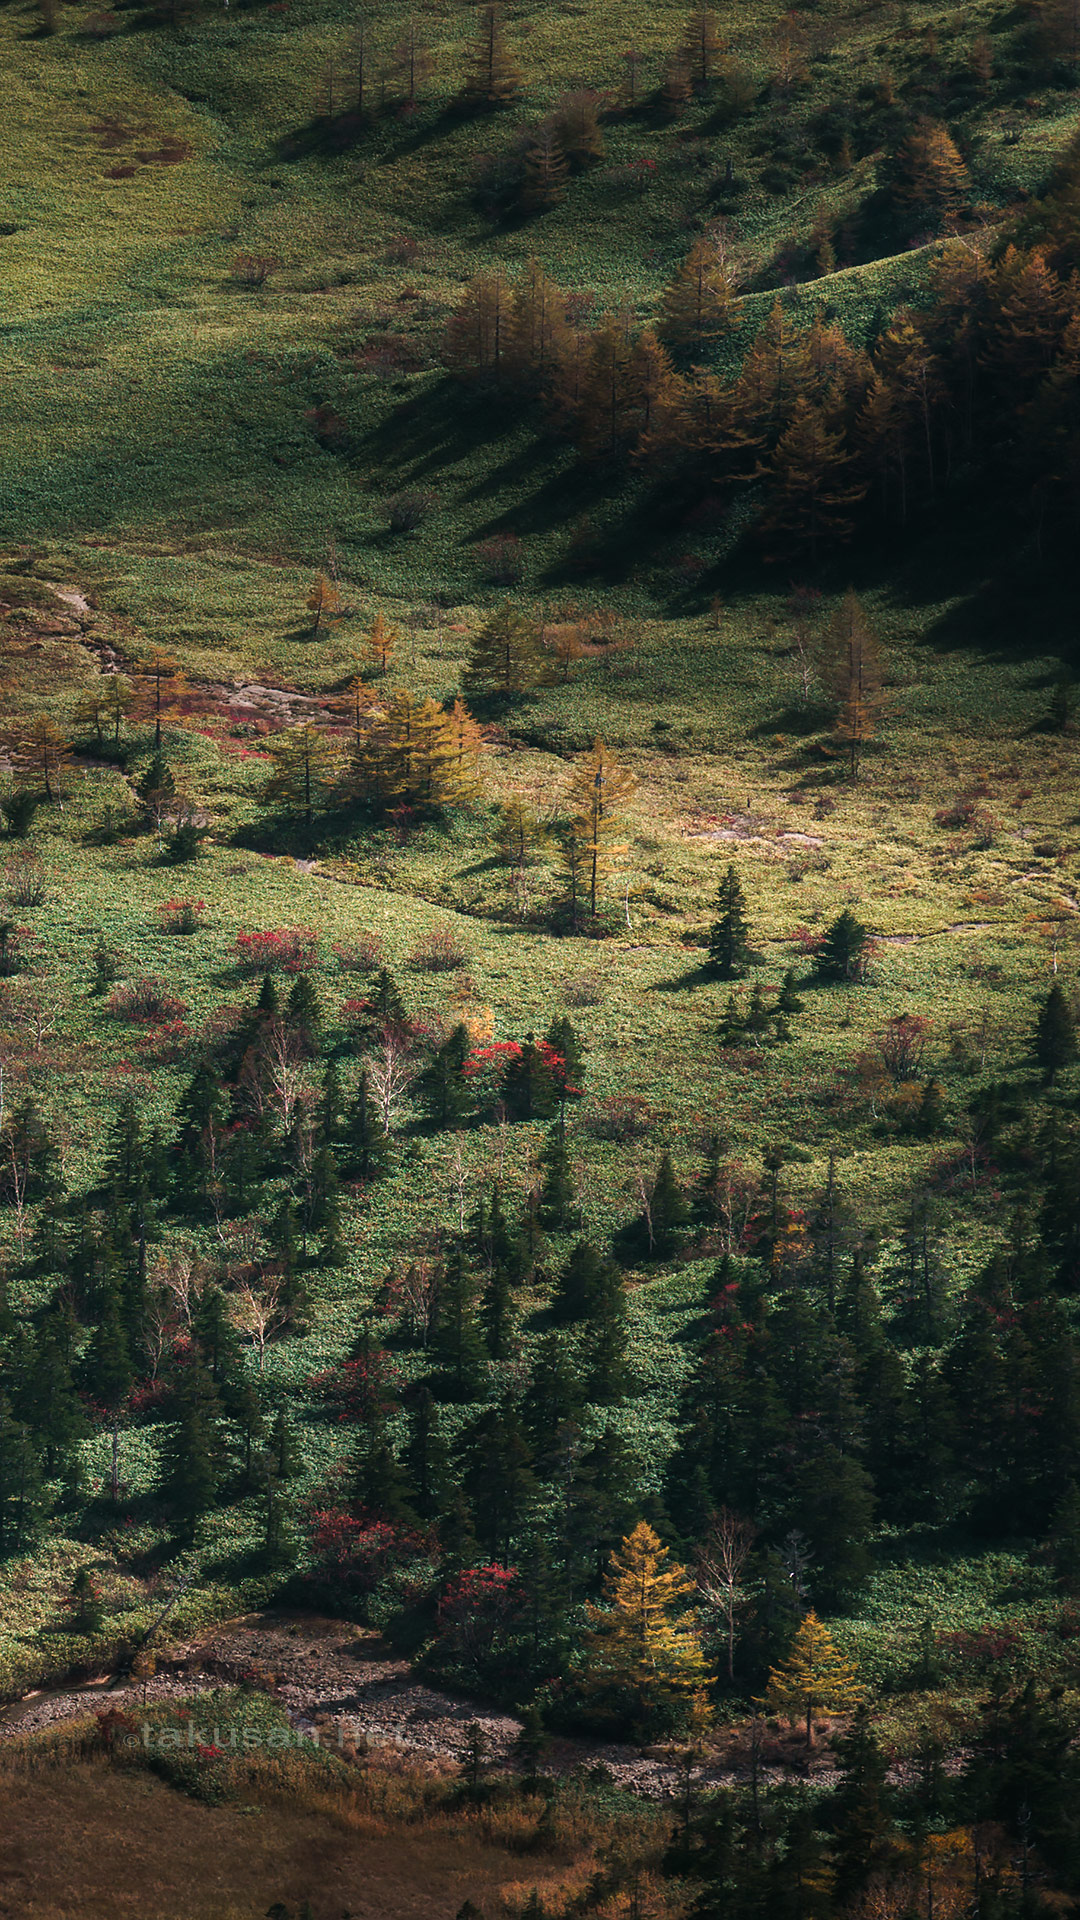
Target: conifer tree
pixel 539 332
pixel 546 170
pixel 323 603
pixel 1055 1034
pixel 607 403
pixel 698 304
pixel 669 1211
pixel 493 78
pixel 413 62
pixel 507 655
pixel 458 1342
pixel 498 1319
pixel 844 949
pixel 445 1090
pixel 191 1461
pixel 729 934
pixel 929 175
pixel 576 121
pixel 368 1141
pixel 585 1286
pixel 702 45
pixel 304 771
pixel 425 1457
pixel 528 1085
pixel 642 1645
pixel 380 642
pixel 283 1452
pixel 477 332
pixel 598 791
pixel 815 1678
pixel 810 488
pixel 22 1500
pixel 557 1191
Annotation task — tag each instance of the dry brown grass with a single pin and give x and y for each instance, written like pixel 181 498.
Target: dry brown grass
pixel 86 1833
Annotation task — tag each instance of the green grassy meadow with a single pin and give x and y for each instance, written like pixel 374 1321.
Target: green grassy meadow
pixel 160 457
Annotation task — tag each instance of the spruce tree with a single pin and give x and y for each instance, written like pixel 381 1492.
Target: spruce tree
pixel 729 933
pixel 557 1191
pixel 457 1339
pixel 425 1458
pixel 1054 1044
pixel 368 1142
pixel 668 1208
pixel 283 1453
pixel 584 1287
pixel 445 1090
pixel 497 1317
pixel 21 1480
pixel 843 953
pixel 528 1087
pixel 192 1456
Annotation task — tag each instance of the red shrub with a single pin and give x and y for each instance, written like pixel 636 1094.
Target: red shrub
pixel 278 950
pixel 359 1391
pixel 181 916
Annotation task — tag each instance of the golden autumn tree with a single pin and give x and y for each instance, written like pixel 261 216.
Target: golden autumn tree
pixel 849 665
pixel 493 77
pixel 929 174
pixel 598 792
pixel 538 334
pixel 380 643
pixel 815 1678
pixel 546 170
pixel 464 744
pixel 643 1645
pixel 810 485
pixel 474 344
pixel 698 304
pixel 703 45
pixel 323 602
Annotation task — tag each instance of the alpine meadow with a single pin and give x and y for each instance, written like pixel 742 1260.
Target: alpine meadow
pixel 539 960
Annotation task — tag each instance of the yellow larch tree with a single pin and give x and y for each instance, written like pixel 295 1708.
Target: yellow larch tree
pixel 815 1678
pixel 642 1642
pixel 599 790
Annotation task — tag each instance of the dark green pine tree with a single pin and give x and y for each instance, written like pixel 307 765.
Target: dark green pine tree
pixel 46 1399
pixel 202 1112
pixel 497 1476
pixel 669 1211
pixel 214 1333
pixel 330 1116
pixel 1054 1039
pixel 283 1453
pixel 757 1013
pixel 244 1408
pixel 931 1114
pixel 557 1194
pixel 193 1454
pixel 381 1483
pixel 384 1006
pixel 323 1211
pixel 844 950
pixel 497 1316
pixel 562 1037
pixel 445 1089
pixel 552 1407
pixel 108 1373
pixel 1065 1538
pixel 788 1000
pixel 303 1015
pixel 599 1509
pixel 833 1505
pixel 584 1285
pixel 529 1248
pixel 425 1458
pixel 279 1546
pixel 732 1022
pixel 457 1342
pixel 604 1350
pixel 368 1145
pixel 528 1087
pixel 729 935
pixel 22 1499
pixel 859 1813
